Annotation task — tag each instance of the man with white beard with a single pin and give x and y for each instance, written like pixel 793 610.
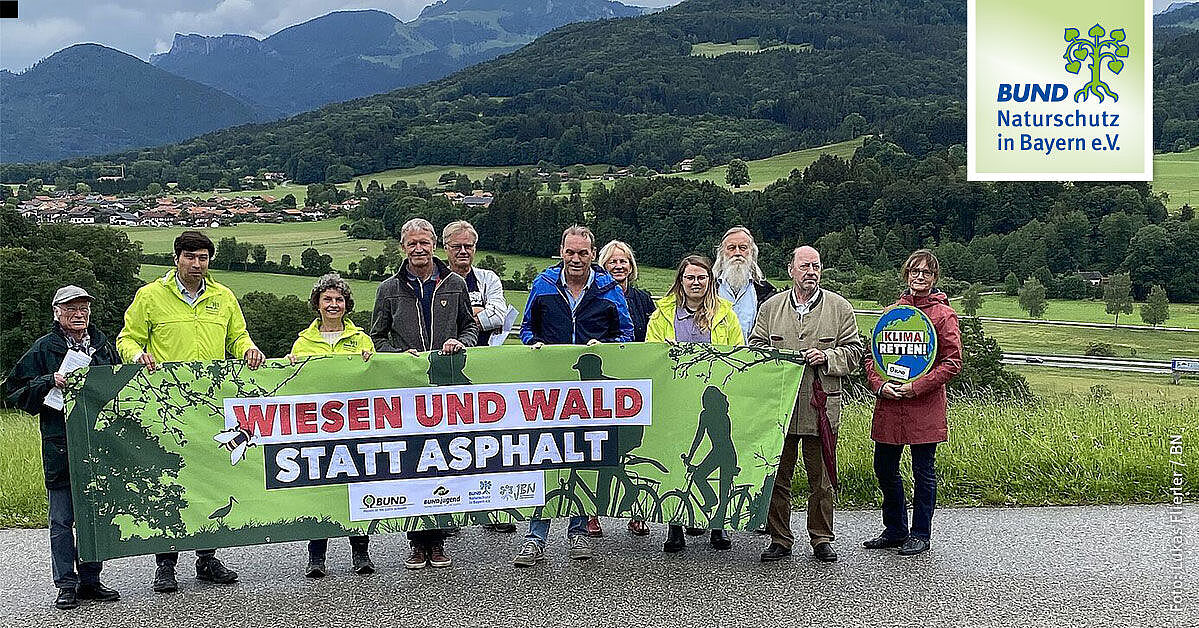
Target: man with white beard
pixel 739 279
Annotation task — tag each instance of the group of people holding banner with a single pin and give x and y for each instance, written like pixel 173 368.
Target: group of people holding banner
pixel 447 306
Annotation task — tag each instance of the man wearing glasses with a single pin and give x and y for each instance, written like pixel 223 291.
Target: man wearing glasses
pixel 819 324
pixel 41 371
pixel 483 286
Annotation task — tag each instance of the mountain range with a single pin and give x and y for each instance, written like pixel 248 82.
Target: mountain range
pixel 651 90
pixel 89 99
pixel 350 54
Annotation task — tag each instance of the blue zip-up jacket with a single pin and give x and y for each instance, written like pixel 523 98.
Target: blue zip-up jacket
pixel 602 313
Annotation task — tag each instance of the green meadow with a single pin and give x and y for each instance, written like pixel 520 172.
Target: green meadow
pixel 1178 175
pixel 748 45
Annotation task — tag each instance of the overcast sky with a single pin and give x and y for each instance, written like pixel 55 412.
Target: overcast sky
pixel 143 27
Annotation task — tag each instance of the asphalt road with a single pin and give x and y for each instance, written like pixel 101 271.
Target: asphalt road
pixel 1076 566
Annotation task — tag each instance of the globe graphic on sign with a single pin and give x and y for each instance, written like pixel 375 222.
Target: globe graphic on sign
pixel 904 344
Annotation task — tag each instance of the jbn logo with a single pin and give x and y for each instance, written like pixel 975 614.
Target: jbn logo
pixel 1029 92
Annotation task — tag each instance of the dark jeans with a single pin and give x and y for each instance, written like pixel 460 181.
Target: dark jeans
pixel 64 556
pixel 172 558
pixel 924 494
pixel 426 538
pixel 318 547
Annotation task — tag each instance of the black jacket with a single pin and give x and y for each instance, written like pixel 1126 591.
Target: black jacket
pixel 396 322
pixel 33 377
pixel 641 305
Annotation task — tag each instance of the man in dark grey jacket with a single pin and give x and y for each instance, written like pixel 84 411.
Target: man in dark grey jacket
pixel 423 307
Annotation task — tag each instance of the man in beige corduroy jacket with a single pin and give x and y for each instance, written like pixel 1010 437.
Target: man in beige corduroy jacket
pixel 821 325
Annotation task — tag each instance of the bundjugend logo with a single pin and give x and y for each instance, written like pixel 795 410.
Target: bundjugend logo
pixel 904 344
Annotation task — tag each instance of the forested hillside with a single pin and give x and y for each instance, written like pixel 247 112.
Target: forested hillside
pixel 629 91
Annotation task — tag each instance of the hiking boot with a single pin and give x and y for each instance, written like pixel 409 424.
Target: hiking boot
pixel 361 562
pixel 580 548
pixel 67 599
pixel 98 592
pixel 593 528
pixel 211 569
pixel 417 558
pixel 437 556
pixel 530 554
pixel 316 567
pixel 164 578
pixel 675 541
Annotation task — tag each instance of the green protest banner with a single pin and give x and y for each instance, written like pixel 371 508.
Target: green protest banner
pixel 213 454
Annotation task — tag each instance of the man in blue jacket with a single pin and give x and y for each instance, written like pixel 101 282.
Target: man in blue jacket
pixel 575 302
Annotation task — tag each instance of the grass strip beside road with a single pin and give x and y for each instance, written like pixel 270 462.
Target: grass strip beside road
pixel 1060 449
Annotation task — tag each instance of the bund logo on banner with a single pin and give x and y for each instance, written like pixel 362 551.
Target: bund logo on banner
pixel 1060 91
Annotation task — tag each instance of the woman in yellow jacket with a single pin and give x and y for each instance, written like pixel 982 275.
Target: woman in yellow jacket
pixel 691 312
pixel 331 333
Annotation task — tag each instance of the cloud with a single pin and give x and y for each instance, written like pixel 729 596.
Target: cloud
pixel 144 27
pixel 28 41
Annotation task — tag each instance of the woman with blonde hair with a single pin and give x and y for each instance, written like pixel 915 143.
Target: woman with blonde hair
pixel 692 312
pixel 617 258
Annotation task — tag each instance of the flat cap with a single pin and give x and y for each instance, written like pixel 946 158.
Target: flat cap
pixel 70 293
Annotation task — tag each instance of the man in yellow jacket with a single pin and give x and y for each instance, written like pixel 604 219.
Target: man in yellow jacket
pixel 185 316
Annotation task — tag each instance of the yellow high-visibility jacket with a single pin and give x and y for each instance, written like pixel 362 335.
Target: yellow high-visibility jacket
pixel 353 339
pixel 160 322
pixel 726 329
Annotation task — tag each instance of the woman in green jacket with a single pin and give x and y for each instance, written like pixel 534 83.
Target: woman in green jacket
pixel 691 312
pixel 333 333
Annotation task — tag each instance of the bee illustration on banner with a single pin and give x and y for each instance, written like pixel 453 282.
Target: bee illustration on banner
pixel 236 440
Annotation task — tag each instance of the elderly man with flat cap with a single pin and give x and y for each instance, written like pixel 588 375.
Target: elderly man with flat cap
pixel 29 387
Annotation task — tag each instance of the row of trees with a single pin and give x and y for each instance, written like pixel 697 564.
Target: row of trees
pixel 1117 300
pixel 865 215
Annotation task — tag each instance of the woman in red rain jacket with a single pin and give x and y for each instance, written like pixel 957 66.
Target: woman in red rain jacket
pixel 914 414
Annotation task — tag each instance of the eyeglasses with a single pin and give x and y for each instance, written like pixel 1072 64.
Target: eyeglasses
pixel 695 278
pixel 808 266
pixel 920 272
pixel 460 247
pixel 76 309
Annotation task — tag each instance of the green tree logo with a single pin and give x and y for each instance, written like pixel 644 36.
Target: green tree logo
pixel 1079 49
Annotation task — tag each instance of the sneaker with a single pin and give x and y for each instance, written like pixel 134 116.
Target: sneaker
pixel 361 562
pixel 437 556
pixel 211 569
pixel 593 528
pixel 580 548
pixel 316 568
pixel 67 599
pixel 913 546
pixel 164 578
pixel 417 558
pixel 530 554
pixel 97 591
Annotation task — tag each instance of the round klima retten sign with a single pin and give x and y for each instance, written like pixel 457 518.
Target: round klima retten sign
pixel 904 344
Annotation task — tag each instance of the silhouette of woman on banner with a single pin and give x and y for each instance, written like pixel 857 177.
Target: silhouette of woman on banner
pixel 714 421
